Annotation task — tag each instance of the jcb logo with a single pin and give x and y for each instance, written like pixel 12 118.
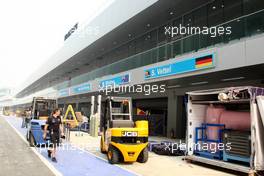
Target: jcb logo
pixel 129 133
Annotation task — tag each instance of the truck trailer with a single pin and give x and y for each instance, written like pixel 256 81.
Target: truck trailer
pixel 225 128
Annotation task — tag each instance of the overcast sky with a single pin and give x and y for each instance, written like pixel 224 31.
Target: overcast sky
pixel 32 30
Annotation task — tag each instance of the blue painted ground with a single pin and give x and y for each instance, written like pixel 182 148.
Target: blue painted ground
pixel 77 162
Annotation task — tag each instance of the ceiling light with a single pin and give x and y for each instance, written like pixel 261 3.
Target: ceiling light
pixel 213 7
pixel 199 83
pixel 148 25
pixel 174 86
pixel 171 13
pixel 233 79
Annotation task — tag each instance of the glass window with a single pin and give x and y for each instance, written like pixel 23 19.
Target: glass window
pixel 162 53
pixel 146 58
pixel 251 6
pixel 169 51
pixel 215 13
pixel 161 35
pixel 131 48
pixel 200 17
pixel 255 23
pixel 176 48
pixel 188 44
pixel 177 23
pixel 140 44
pixel 232 9
pixel 188 21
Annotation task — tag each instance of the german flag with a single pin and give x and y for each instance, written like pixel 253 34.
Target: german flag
pixel 205 61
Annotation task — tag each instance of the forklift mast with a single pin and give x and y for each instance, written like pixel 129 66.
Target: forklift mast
pixel 42 107
pixel 118 111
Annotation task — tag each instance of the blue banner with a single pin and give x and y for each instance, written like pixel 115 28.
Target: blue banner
pixel 82 88
pixel 116 81
pixel 64 92
pixel 185 66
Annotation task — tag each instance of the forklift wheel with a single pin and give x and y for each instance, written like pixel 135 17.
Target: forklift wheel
pixel 112 155
pixel 143 156
pixel 31 140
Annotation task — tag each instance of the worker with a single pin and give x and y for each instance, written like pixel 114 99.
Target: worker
pixel 54 124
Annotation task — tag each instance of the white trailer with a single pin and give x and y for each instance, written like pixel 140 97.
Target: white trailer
pixel 250 97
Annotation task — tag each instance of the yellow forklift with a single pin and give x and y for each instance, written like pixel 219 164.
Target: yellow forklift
pixel 122 139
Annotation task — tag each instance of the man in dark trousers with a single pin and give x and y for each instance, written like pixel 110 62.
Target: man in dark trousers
pixel 54 124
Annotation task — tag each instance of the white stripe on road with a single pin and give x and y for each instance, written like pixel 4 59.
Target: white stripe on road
pixel 48 164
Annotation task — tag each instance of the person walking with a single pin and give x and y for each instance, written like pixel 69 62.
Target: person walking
pixel 54 124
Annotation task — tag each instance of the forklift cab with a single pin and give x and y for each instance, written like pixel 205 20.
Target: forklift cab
pixel 41 110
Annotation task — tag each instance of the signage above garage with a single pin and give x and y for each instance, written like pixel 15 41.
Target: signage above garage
pixel 185 66
pixel 116 81
pixel 64 92
pixel 81 88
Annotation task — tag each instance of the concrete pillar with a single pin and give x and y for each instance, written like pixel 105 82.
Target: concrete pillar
pixel 175 120
pixel 76 107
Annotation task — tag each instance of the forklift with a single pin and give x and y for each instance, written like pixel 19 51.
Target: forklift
pixel 41 110
pixel 122 139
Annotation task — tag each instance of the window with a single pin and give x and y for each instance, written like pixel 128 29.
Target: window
pixel 251 6
pixel 177 23
pixel 215 13
pixel 200 17
pixel 232 9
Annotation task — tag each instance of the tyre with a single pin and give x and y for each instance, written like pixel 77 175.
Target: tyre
pixel 143 156
pixel 112 155
pixel 31 140
pixel 102 146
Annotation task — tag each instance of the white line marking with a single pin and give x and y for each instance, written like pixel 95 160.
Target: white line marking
pixel 50 166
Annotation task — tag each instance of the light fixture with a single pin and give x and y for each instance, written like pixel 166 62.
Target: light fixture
pixel 233 79
pixel 171 13
pixel 199 83
pixel 174 86
pixel 213 7
pixel 148 25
